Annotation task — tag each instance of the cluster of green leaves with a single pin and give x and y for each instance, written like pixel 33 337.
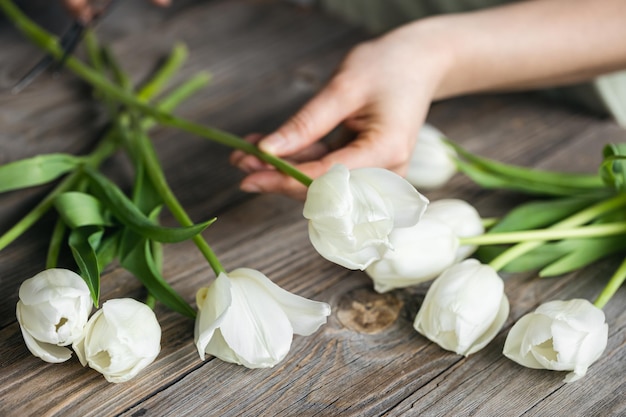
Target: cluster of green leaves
pixel 97 220
pixel 566 200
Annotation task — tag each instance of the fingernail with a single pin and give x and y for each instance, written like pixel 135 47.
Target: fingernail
pixel 272 144
pixel 250 188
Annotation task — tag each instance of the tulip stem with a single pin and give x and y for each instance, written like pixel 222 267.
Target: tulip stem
pixel 612 286
pixel 584 216
pixel 51 45
pixel 607 229
pixel 150 301
pixel 153 168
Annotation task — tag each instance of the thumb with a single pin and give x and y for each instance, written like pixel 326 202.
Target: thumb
pixel 314 120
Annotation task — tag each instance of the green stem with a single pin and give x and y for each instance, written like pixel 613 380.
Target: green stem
pixel 150 301
pixel 105 148
pixel 153 167
pixel 612 286
pixel 607 229
pixel 49 43
pixel 54 248
pixel 577 219
pixel 165 72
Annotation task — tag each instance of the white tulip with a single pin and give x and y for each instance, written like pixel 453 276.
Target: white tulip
pixel 432 161
pixel 52 310
pixel 462 217
pixel 560 336
pixel 464 308
pixel 419 254
pixel 245 318
pixel 120 339
pixel 352 213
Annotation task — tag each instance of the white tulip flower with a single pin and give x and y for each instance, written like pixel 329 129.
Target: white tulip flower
pixel 464 308
pixel 560 336
pixel 420 253
pixel 245 318
pixel 462 217
pixel 120 339
pixel 352 213
pixel 52 310
pixel 432 161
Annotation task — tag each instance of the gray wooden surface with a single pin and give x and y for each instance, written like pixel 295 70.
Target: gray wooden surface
pixel 266 59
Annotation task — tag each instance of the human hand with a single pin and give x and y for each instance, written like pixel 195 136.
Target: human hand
pixel 381 92
pixel 86 10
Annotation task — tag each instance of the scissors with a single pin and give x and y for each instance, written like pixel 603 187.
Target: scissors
pixel 68 41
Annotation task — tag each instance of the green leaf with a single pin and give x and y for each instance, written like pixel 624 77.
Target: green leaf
pixel 37 170
pixel 83 242
pixel 536 177
pixel 583 252
pixel 492 174
pixel 136 257
pixel 530 261
pixel 108 249
pixel 80 209
pixel 129 215
pixel 145 195
pixel 539 214
pixel 613 167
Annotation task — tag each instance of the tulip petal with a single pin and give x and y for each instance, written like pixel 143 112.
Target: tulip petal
pixel 213 304
pixel 46 351
pixel 326 196
pixel 305 316
pixel 419 254
pixel 120 339
pixel 492 331
pixel 407 203
pixel 256 328
pixel 515 346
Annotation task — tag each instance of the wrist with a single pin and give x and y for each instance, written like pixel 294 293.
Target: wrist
pixel 431 50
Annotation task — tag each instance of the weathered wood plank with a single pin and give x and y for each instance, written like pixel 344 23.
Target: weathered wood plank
pixel 266 59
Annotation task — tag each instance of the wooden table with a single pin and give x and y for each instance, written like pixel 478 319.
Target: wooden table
pixel 266 59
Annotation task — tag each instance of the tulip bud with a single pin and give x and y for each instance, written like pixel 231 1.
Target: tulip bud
pixel 352 213
pixel 464 308
pixel 120 339
pixel 560 336
pixel 432 162
pixel 462 218
pixel 419 254
pixel 245 318
pixel 53 308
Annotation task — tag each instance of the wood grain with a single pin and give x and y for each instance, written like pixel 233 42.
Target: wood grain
pixel 267 58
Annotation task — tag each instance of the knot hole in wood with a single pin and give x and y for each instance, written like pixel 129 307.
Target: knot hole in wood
pixel 365 311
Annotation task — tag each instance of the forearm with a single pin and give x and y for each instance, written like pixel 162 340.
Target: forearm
pixel 530 44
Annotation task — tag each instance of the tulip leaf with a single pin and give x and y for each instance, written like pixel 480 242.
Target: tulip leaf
pixel 108 249
pixel 488 179
pixel 535 180
pixel 530 261
pixel 492 174
pixel 583 252
pixel 80 209
pixel 538 214
pixel 37 170
pixel 128 214
pixel 136 256
pixel 613 167
pixel 83 242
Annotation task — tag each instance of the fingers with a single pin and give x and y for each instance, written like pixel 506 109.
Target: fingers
pixel 383 145
pixel 250 163
pixel 318 117
pixel 79 9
